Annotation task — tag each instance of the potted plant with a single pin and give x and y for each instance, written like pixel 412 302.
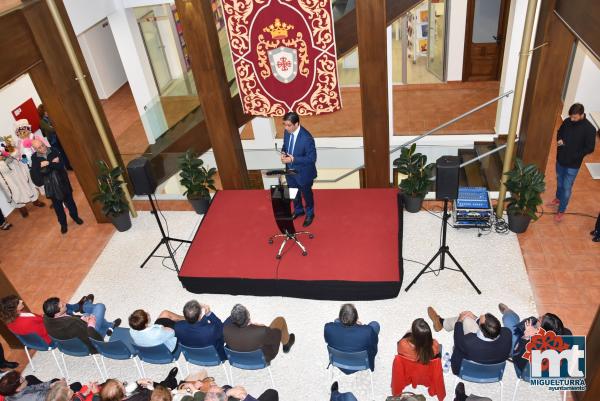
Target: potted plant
pixel 418 172
pixel 526 184
pixel 197 180
pixel 112 197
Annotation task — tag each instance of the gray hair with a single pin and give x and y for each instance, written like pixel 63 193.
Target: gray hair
pixel 240 315
pixel 348 315
pixel 212 396
pixel 191 311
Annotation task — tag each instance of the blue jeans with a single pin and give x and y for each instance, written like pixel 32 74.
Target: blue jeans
pixel 565 178
pixel 509 320
pixel 337 396
pixel 98 310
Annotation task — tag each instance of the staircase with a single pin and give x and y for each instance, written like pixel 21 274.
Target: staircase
pixel 485 172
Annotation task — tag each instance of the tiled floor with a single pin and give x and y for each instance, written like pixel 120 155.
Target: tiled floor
pixel 562 261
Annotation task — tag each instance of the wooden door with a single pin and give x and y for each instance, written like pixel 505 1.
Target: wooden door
pixel 484 39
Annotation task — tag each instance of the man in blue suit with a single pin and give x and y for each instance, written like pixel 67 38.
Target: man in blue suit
pixel 201 328
pixel 349 335
pixel 299 153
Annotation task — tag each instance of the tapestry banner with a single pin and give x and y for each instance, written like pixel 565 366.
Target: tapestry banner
pixel 284 56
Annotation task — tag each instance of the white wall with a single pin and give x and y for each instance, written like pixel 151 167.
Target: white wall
pixel 11 96
pixel 86 13
pixel 510 62
pixel 584 82
pixel 457 22
pixel 102 58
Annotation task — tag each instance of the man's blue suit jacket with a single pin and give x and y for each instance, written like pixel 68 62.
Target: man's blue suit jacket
pixel 207 331
pixel 352 339
pixel 305 156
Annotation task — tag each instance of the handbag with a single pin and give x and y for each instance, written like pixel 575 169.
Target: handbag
pixel 407 396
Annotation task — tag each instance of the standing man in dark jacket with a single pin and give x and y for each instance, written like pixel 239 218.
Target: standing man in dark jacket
pixel 47 169
pixel 575 138
pixel 300 154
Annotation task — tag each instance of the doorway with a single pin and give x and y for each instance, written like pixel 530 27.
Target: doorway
pixel 484 39
pixel 156 51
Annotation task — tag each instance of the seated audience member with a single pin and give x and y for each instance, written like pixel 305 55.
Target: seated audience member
pixel 162 331
pixel 337 396
pixel 216 393
pixel 201 328
pixel 15 387
pixel 4 364
pixel 115 390
pixel 418 344
pixel 522 330
pixel 23 323
pixel 62 326
pixel 481 340
pixel 243 335
pixel 62 392
pixel 348 334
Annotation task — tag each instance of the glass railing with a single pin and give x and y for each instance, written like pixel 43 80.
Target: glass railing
pixel 341 8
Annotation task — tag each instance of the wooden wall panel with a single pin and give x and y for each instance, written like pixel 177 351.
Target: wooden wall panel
pixel 584 18
pixel 544 87
pixel 202 38
pixel 372 58
pixel 17 47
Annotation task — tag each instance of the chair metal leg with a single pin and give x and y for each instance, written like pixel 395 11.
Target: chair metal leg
pixel 271 376
pixel 226 375
pixel 501 389
pixel 98 366
pixel 65 366
pixel 135 361
pixel 57 363
pixel 29 357
pixel 516 388
pixel 372 387
pixel 104 366
pixel 143 370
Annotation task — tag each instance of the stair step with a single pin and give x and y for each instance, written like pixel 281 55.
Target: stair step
pixel 472 172
pixel 491 166
pixel 499 141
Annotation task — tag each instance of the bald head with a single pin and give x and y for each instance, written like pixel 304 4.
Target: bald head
pixel 38 146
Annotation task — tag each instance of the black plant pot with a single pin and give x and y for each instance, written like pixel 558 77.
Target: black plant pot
pixel 200 205
pixel 122 222
pixel 413 204
pixel 518 222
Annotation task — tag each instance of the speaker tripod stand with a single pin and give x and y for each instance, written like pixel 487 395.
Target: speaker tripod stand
pixel 164 240
pixel 442 252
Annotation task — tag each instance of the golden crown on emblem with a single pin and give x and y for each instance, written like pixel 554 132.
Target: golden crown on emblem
pixel 278 29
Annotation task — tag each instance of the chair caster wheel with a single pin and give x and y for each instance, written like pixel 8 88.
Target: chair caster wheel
pixel 311 236
pixel 270 241
pixel 304 253
pixel 277 256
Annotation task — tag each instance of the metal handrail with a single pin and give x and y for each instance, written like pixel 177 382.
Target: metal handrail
pixel 486 154
pixel 410 142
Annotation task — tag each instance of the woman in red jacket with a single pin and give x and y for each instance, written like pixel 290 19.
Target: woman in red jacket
pixel 418 345
pixel 19 322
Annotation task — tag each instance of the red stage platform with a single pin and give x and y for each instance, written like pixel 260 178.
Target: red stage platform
pixel 356 253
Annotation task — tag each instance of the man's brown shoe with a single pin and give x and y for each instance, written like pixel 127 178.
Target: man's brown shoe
pixel 435 318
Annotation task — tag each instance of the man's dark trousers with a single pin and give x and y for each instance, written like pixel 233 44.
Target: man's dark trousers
pixel 60 211
pixel 304 191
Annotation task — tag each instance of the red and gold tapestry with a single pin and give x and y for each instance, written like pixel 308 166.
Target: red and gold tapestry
pixel 284 56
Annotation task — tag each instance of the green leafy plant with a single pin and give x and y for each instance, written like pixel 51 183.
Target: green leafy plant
pixel 196 178
pixel 526 184
pixel 110 191
pixel 418 172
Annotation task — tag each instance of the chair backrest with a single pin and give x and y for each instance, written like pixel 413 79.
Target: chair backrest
pixel 251 360
pixel 481 372
pixel 72 346
pixel 205 356
pixel 34 341
pixel 158 354
pixel 112 349
pixel 348 360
